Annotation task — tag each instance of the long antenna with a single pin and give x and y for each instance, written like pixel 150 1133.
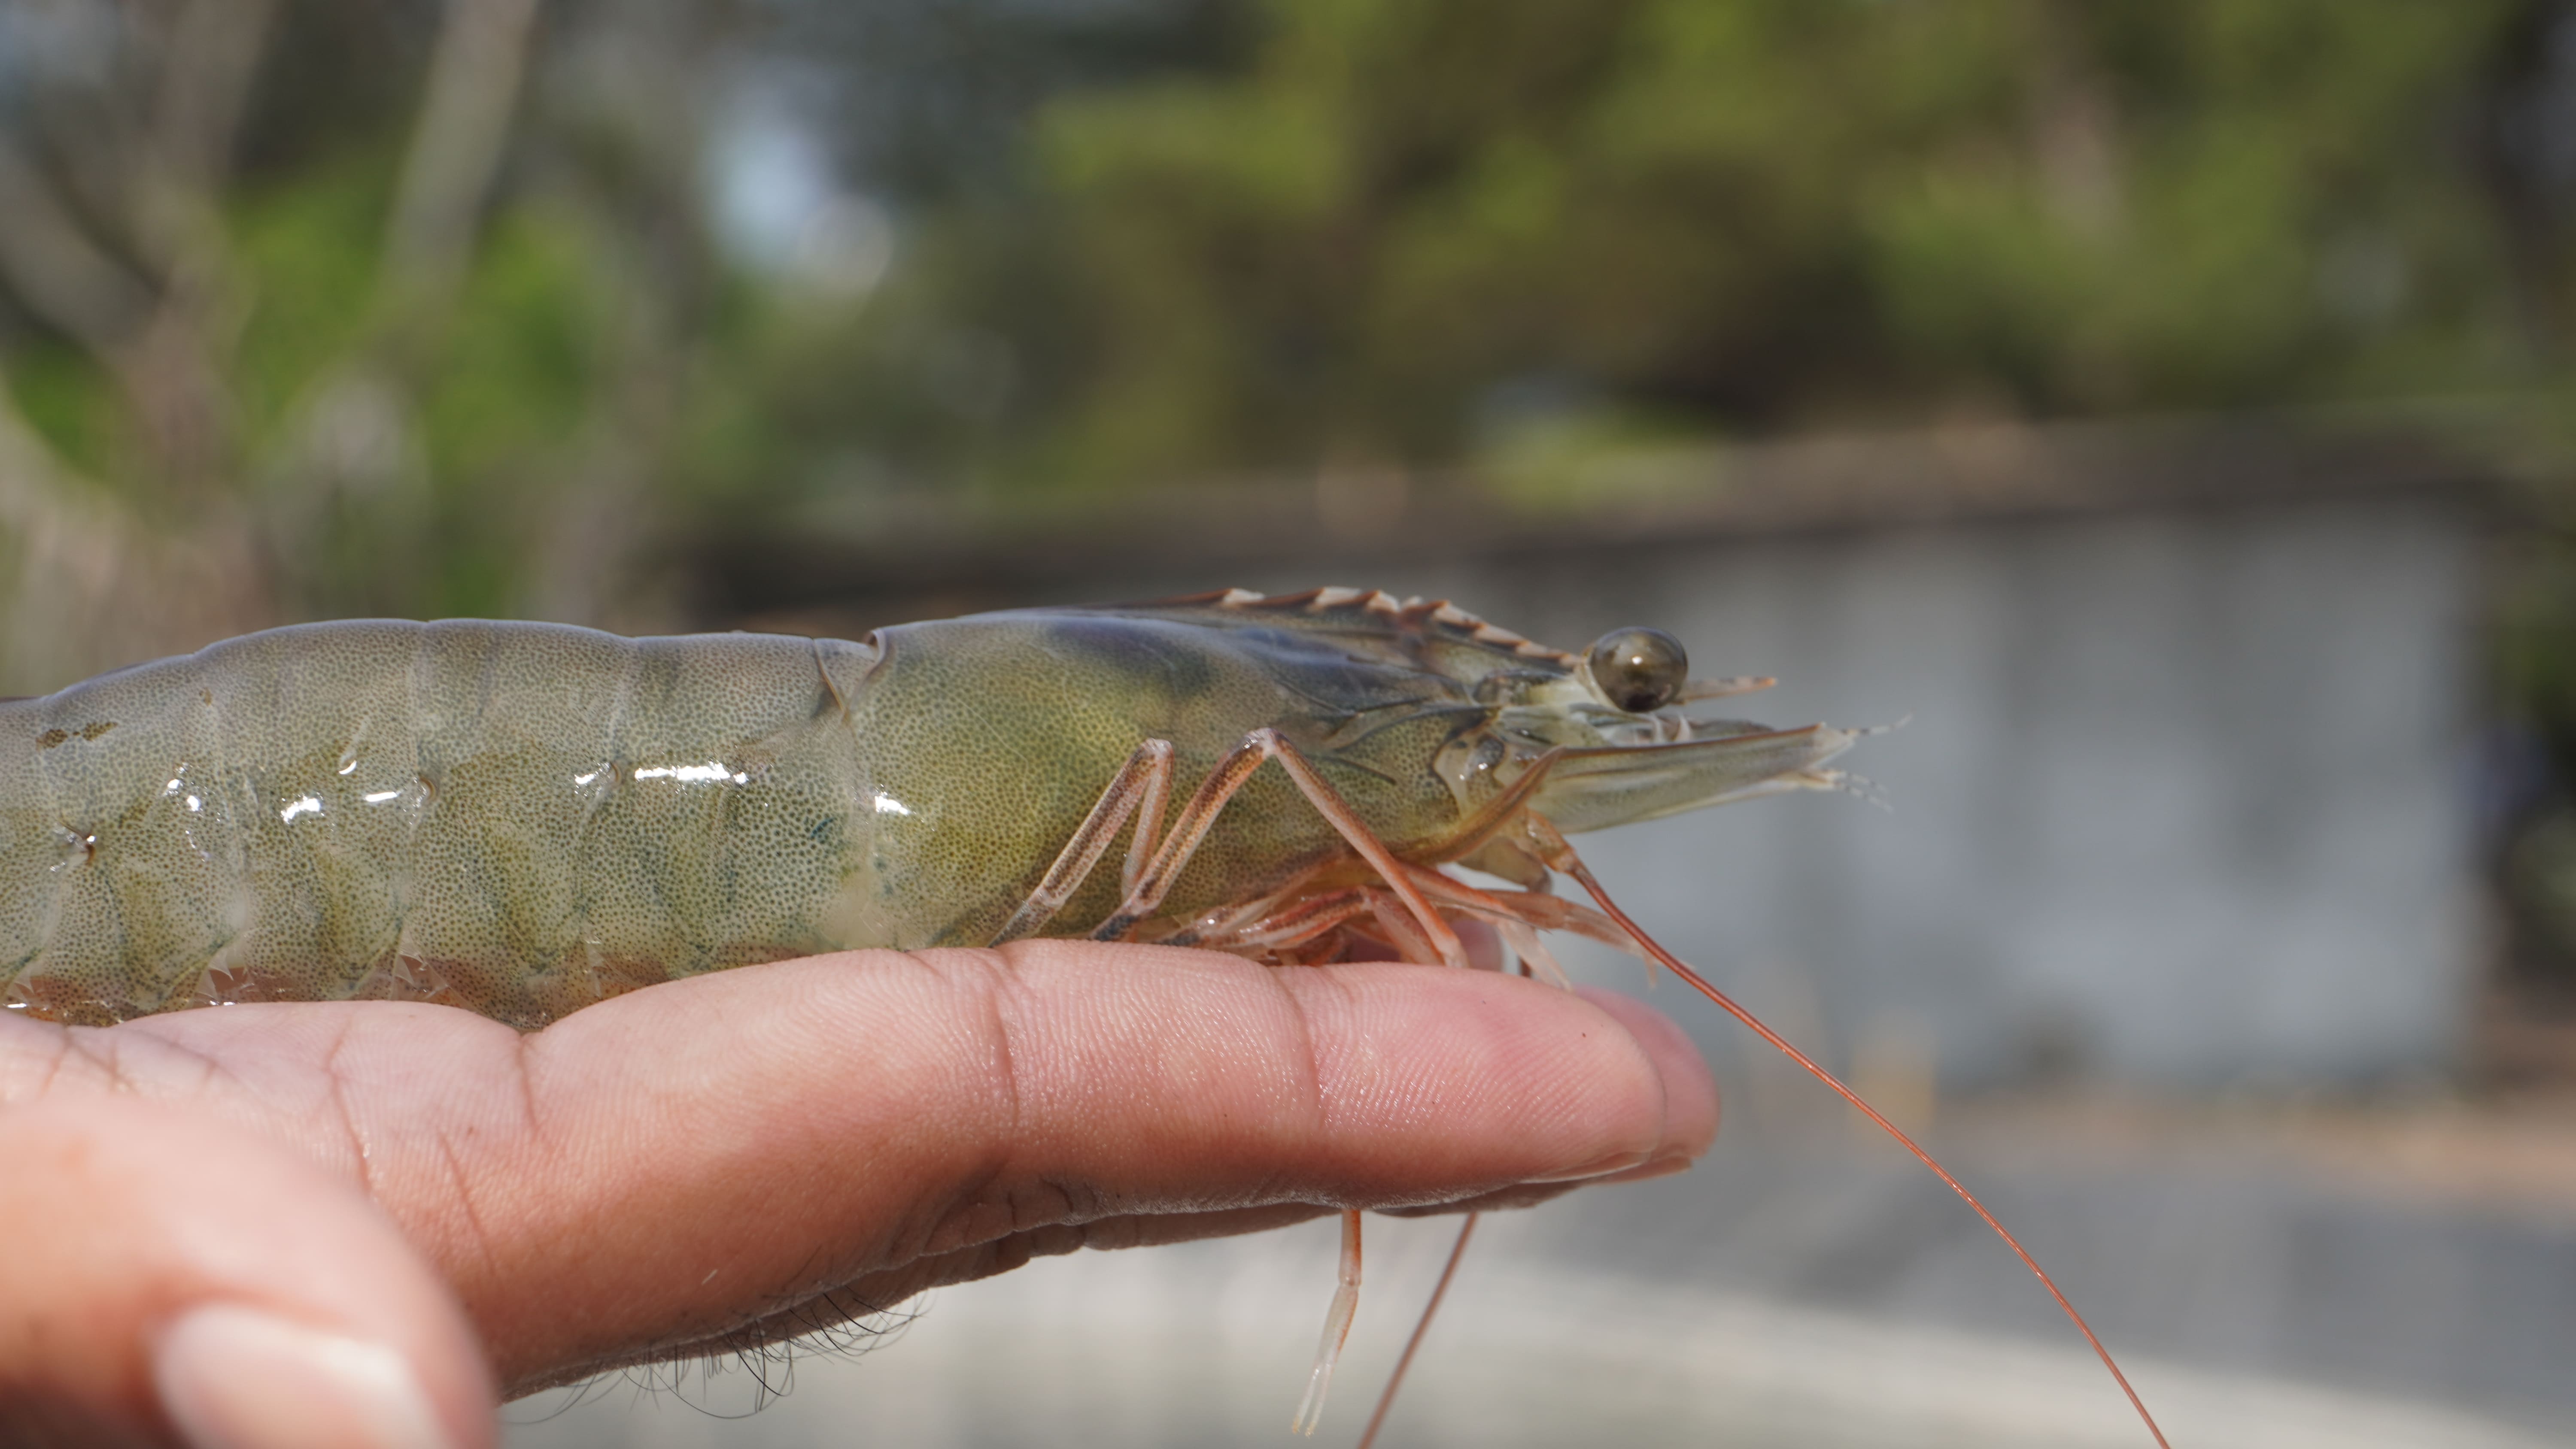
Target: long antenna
pixel 1575 867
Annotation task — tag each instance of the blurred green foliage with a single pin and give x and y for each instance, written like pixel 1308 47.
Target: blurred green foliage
pixel 1166 240
pixel 1429 230
pixel 306 246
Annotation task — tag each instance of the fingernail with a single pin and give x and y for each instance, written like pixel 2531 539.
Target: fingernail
pixel 1603 1167
pixel 238 1378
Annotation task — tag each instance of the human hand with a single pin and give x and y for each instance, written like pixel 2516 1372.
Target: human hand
pixel 361 1222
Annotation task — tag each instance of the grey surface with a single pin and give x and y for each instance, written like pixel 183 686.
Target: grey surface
pixel 1794 1291
pixel 2184 798
pixel 2184 803
pixel 2240 1269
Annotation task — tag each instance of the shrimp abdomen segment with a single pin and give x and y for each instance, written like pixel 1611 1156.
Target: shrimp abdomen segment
pixel 113 885
pixel 519 817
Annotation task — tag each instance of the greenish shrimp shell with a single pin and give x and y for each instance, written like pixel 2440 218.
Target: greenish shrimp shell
pixel 523 818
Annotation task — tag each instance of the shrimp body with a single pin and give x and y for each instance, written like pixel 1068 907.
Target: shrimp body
pixel 524 818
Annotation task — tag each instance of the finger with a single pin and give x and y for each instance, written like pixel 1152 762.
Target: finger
pixel 1690 1102
pixel 678 1163
pixel 1690 1116
pixel 179 1279
pixel 893 1108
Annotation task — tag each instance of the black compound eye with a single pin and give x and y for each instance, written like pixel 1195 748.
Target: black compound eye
pixel 1639 669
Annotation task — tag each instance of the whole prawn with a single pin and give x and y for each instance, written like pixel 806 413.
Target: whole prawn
pixel 522 818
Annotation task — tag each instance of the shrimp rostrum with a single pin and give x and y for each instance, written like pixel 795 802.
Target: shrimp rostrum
pixel 522 819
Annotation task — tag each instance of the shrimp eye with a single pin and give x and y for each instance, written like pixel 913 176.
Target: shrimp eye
pixel 1639 669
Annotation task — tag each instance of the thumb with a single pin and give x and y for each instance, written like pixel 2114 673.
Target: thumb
pixel 173 1279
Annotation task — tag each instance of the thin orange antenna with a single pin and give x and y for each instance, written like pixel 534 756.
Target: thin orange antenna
pixel 1421 1326
pixel 1574 866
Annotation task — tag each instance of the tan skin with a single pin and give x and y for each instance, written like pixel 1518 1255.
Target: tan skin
pixel 738 1156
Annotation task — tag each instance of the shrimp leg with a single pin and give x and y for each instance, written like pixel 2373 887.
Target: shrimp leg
pixel 1337 1327
pixel 1146 781
pixel 1199 816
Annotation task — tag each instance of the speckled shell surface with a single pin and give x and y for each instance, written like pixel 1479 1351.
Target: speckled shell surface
pixel 516 817
pixel 524 818
pixel 989 738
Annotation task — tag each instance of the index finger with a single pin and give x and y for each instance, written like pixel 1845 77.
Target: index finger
pixel 667 1165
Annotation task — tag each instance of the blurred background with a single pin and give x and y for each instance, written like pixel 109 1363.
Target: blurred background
pixel 2168 406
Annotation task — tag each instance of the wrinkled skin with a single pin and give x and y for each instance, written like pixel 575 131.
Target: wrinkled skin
pixel 747 1154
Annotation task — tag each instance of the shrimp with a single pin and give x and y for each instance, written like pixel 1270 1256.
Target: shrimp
pixel 522 819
